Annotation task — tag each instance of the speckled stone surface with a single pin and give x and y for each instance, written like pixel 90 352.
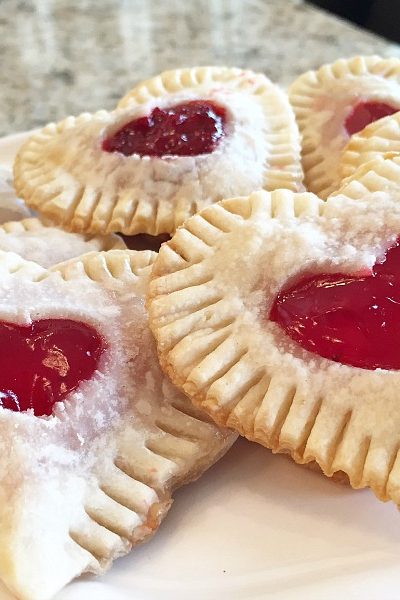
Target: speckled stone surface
pixel 63 57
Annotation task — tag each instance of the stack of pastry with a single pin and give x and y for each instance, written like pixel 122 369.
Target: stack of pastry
pixel 270 313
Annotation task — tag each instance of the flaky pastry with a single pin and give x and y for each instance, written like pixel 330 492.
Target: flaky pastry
pixel 94 438
pixel 277 314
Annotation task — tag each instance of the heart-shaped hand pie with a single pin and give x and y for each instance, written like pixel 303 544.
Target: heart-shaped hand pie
pixel 335 102
pixel 83 485
pixel 47 245
pixel 178 142
pixel 213 288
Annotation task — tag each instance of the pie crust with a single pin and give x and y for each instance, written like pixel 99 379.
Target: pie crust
pixel 64 173
pixel 47 245
pixel 81 487
pixel 323 99
pixel 378 138
pixel 209 299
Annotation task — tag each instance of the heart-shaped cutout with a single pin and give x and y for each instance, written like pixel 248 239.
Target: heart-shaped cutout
pixel 354 320
pixel 43 362
pixel 187 129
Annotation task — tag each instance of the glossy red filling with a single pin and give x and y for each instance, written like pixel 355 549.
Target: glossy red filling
pixel 187 129
pixel 43 362
pixel 348 319
pixel 365 113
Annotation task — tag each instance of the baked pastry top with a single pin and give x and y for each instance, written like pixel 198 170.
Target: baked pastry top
pixel 95 438
pixel 276 313
pixel 178 142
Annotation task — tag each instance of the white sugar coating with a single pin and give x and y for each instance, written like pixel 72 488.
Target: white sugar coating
pixel 236 166
pixel 95 408
pixel 11 207
pixel 53 470
pixel 23 301
pixel 47 245
pixel 349 234
pixel 254 262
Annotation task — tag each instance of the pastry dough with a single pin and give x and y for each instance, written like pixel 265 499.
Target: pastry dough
pixel 81 487
pixel 48 245
pixel 212 289
pixel 65 173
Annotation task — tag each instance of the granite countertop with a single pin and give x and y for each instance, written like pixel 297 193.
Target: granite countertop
pixel 63 57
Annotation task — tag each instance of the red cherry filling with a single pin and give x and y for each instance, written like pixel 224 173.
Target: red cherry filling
pixel 365 113
pixel 187 129
pixel 348 319
pixel 43 362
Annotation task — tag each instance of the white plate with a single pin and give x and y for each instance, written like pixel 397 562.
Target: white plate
pixel 257 526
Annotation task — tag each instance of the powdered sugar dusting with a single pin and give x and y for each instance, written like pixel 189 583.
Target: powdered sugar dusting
pixel 48 245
